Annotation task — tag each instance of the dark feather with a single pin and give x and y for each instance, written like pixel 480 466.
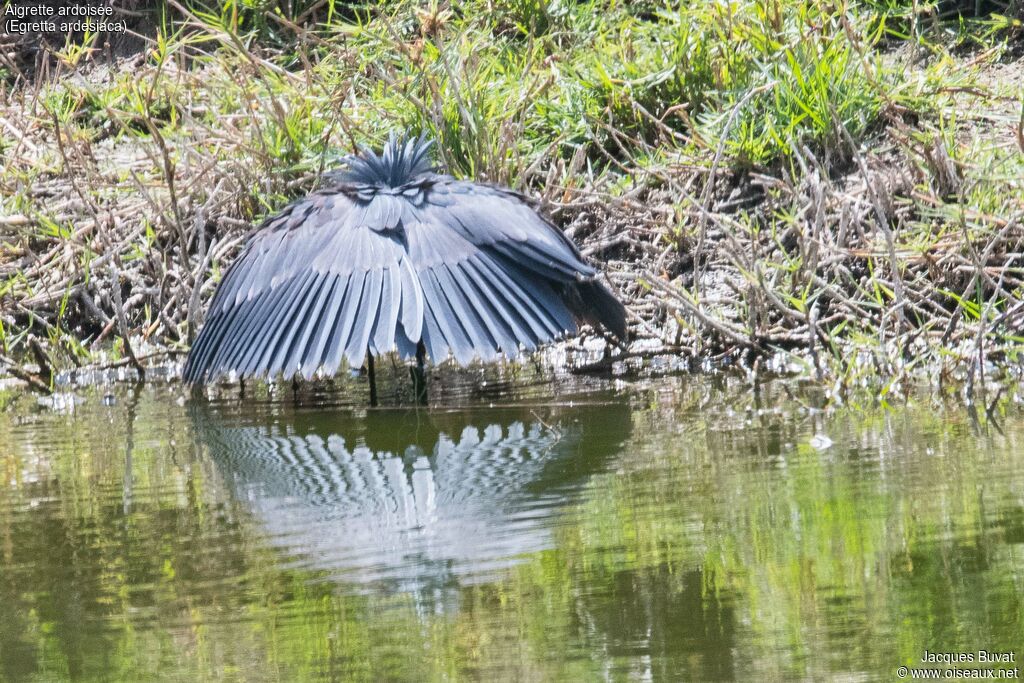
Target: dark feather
pixel 484 309
pixel 542 327
pixel 448 325
pixel 343 326
pixel 503 305
pixel 292 344
pixel 315 354
pixel 412 301
pixel 238 334
pixel 383 337
pixel 437 346
pixel 481 342
pixel 281 320
pixel 366 314
pixel 389 254
pixel 600 307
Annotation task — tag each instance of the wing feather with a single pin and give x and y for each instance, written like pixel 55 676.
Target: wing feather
pixel 366 314
pixel 314 356
pixel 341 332
pixel 534 316
pixel 437 346
pixel 289 348
pixel 449 327
pixel 230 290
pixel 482 343
pixel 412 300
pixel 504 302
pixel 491 315
pixel 406 347
pixel 207 343
pixel 252 314
pixel 383 337
pixel 542 297
pixel 492 218
pixel 280 321
pixel 226 354
pixel 527 255
pixel 249 352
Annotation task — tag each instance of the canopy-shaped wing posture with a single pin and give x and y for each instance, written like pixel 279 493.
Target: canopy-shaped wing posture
pixel 391 254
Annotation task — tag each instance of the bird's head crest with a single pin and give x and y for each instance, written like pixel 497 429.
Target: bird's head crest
pixel 403 158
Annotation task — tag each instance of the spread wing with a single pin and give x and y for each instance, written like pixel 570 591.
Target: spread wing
pixel 493 273
pixel 322 281
pixel 471 271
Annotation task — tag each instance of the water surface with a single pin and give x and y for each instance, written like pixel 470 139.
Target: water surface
pixel 677 529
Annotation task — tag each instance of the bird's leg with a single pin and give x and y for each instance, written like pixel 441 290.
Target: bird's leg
pixel 372 375
pixel 419 376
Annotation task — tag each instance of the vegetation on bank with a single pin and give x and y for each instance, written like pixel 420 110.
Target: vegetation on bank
pixel 837 185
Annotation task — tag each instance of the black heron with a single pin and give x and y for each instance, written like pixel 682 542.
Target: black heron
pixel 392 255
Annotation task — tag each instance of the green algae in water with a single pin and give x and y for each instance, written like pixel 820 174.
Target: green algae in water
pixel 683 530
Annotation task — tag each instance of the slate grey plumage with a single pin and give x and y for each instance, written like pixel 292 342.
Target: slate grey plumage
pixel 391 255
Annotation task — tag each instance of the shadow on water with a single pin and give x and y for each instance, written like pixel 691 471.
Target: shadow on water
pixel 411 500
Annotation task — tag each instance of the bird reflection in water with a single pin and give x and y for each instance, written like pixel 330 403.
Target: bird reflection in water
pixel 407 500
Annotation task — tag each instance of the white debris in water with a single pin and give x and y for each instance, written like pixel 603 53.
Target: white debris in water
pixel 62 402
pixel 820 442
pixel 647 345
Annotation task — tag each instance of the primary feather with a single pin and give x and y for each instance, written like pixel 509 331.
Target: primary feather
pixel 389 254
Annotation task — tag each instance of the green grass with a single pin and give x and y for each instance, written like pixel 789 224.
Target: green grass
pixel 745 127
